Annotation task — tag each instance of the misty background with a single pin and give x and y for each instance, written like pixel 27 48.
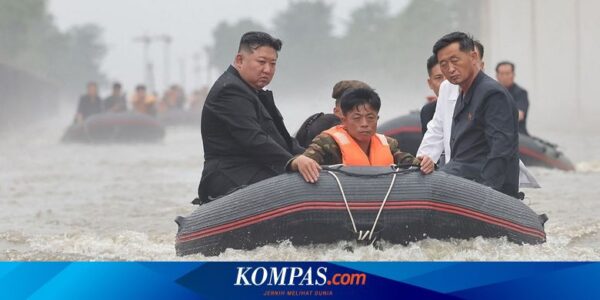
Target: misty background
pixel 50 49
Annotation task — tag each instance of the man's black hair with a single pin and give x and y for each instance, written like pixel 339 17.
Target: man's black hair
pixel 355 97
pixel 252 40
pixel 140 87
pixel 117 85
pixel 505 62
pixel 431 62
pixel 479 47
pixel 465 42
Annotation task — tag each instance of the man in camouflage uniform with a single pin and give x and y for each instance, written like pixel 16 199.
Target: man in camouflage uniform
pixel 325 151
pixel 355 142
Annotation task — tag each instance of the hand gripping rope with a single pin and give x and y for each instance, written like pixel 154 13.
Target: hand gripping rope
pixel 369 233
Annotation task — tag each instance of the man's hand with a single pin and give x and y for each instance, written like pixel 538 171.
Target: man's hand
pixel 521 115
pixel 427 164
pixel 307 167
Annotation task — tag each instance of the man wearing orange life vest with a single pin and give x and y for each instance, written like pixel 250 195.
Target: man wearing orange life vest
pixel 355 142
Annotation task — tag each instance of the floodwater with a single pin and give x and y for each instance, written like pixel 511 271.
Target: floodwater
pixel 118 202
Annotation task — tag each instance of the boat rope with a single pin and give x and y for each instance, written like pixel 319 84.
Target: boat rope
pixel 345 200
pixel 395 169
pixel 369 233
pixel 383 204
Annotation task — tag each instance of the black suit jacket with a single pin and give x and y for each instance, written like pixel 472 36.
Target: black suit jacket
pixel 427 112
pixel 522 102
pixel 243 134
pixel 484 137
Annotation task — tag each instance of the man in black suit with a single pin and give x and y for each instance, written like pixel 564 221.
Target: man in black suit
pixel 505 73
pixel 484 139
pixel 243 134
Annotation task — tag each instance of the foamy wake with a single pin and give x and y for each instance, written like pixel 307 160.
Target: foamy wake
pixel 564 243
pixel 588 166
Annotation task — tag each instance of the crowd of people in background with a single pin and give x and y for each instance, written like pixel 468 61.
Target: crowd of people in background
pixel 142 101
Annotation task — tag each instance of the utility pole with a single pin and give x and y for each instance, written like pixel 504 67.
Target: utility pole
pixel 147 70
pixel 166 39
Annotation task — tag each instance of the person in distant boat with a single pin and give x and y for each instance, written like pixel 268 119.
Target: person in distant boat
pixel 116 101
pixel 355 142
pixel 505 73
pixel 172 100
pixel 435 78
pixel 484 137
pixel 244 137
pixel 89 104
pixel 197 99
pixel 318 122
pixel 142 102
pixel 179 95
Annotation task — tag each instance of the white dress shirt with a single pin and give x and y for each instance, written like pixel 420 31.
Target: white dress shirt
pixel 437 138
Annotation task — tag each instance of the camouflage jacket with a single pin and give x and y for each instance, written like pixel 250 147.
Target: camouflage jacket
pixel 325 151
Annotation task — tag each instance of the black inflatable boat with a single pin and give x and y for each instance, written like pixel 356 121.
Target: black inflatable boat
pixel 533 151
pixel 116 127
pixel 377 203
pixel 537 152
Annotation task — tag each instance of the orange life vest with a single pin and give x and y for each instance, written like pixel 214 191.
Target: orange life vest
pixel 352 155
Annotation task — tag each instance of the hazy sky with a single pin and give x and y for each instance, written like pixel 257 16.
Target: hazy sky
pixel 189 22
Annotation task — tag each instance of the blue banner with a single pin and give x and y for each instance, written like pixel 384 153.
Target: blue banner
pixel 331 280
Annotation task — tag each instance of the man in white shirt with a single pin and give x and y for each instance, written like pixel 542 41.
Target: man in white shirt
pixel 436 139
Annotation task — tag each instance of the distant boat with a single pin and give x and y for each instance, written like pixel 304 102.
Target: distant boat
pixel 116 127
pixel 532 151
pixel 285 207
pixel 406 129
pixel 537 152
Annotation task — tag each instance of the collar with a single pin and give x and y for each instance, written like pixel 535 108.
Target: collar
pixel 467 97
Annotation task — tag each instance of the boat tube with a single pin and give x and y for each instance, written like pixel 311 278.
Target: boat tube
pixel 116 127
pixel 356 203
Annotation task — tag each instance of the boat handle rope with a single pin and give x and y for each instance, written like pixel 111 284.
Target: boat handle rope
pixel 369 233
pixel 383 204
pixel 345 200
pixel 396 169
